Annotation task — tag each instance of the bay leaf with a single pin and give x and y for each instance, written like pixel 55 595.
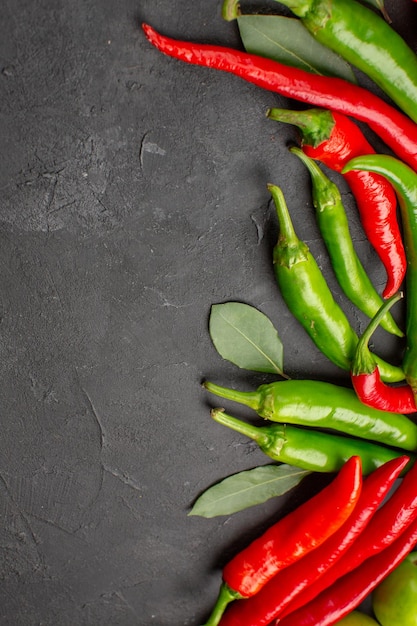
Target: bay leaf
pixel 248 488
pixel 245 336
pixel 286 40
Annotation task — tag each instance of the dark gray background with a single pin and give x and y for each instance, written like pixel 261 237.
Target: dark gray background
pixel 133 197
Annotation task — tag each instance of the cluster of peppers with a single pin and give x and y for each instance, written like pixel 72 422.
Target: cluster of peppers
pixel 318 563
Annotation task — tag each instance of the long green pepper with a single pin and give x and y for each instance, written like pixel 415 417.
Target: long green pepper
pixel 319 404
pixel 334 227
pixel 309 449
pixel 404 181
pixel 365 39
pixel 309 298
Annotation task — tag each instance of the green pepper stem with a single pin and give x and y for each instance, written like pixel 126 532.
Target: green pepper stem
pixel 365 362
pixel 226 595
pixel 286 227
pixel 325 192
pixel 230 10
pixel 248 398
pixel 260 437
pixel 316 125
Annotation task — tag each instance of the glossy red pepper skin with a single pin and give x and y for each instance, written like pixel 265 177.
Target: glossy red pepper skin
pixel 404 181
pixel 266 605
pixel 364 39
pixel 372 391
pixel 350 590
pixel 291 538
pixel 390 521
pixel 397 130
pixel 366 378
pixel 342 140
pixel 381 227
pixel 297 533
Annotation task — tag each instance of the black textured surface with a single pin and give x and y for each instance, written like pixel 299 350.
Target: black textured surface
pixel 133 196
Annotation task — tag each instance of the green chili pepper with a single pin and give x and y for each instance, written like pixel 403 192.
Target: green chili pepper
pixel 334 227
pixel 308 297
pixel 309 449
pixel 319 404
pixel 363 38
pixel 404 181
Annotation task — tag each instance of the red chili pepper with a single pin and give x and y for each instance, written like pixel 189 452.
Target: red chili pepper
pixel 350 590
pixel 267 605
pixel 334 139
pixel 372 391
pixel 386 526
pixel 366 378
pixel 397 130
pixel 291 538
pixel 404 181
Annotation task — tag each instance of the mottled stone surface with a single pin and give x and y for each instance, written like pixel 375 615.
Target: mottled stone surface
pixel 133 197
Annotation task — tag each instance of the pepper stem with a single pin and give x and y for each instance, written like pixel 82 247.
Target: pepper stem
pixel 230 10
pixel 364 361
pixel 260 437
pixel 316 125
pixel 226 595
pixel 286 227
pixel 323 187
pixel 248 398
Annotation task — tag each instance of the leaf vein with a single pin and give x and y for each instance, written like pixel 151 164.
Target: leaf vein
pixel 257 486
pixel 290 52
pixel 249 340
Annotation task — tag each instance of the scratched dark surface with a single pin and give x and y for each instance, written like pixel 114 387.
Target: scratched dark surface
pixel 133 197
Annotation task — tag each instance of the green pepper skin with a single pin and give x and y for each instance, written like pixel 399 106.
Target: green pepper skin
pixel 319 404
pixel 309 449
pixel 306 292
pixel 308 296
pixel 334 227
pixel 404 181
pixel 366 40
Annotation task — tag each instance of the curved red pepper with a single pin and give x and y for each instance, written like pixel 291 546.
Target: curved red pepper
pixel 333 139
pixel 397 130
pixel 298 532
pixel 267 605
pixel 291 538
pixel 366 378
pixel 386 526
pixel 350 590
pixel 372 391
pixel 380 227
